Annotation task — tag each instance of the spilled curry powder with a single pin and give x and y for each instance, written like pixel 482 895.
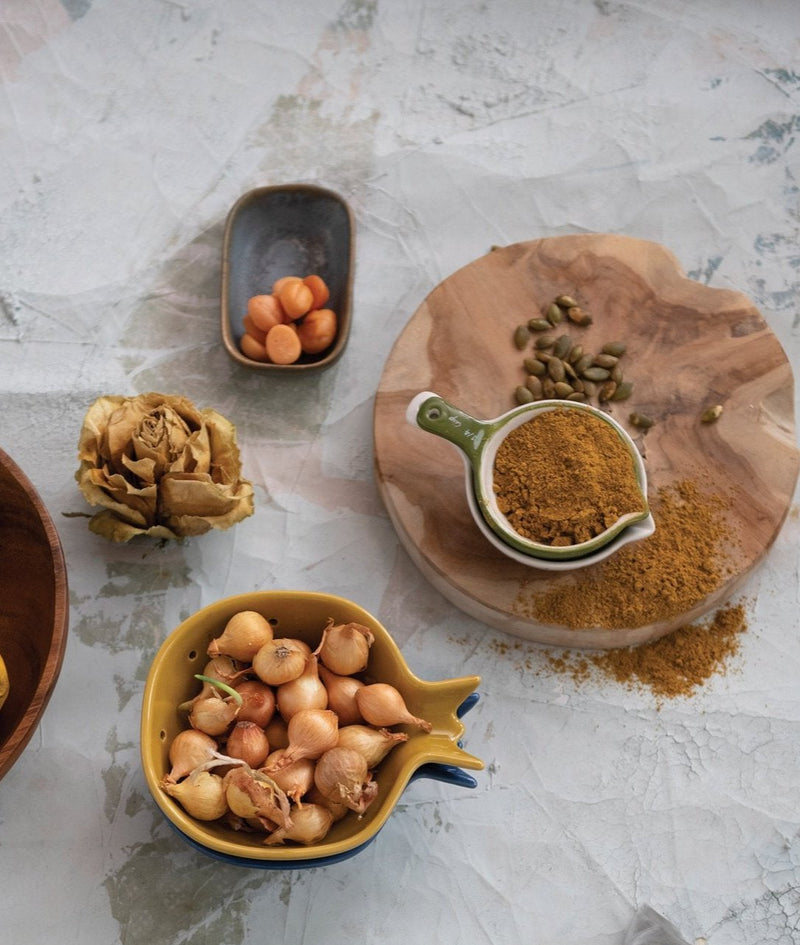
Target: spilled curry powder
pixel 655 579
pixel 674 665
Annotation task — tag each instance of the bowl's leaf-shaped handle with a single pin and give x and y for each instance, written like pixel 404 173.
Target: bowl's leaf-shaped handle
pixel 434 414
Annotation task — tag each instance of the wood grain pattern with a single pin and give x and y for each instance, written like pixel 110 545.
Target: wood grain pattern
pixel 33 608
pixel 689 346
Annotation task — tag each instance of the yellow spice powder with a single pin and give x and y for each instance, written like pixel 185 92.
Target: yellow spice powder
pixel 675 665
pixel 564 477
pixel 646 581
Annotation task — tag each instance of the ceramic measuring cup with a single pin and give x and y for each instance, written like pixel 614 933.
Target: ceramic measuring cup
pixel 479 440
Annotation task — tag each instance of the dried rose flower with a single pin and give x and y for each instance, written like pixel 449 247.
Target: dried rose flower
pixel 160 467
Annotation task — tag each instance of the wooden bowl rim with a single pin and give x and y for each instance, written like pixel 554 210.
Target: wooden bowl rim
pixel 18 740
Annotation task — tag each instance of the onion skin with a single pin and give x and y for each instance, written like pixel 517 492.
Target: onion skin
pixel 244 635
pixel 310 824
pixel 189 748
pixel 258 702
pixel 201 795
pixel 373 743
pixel 213 715
pixel 277 732
pixel 296 779
pixel 253 795
pixel 344 647
pixel 342 695
pixel 281 660
pixel 337 808
pixel 311 733
pixel 248 742
pixel 305 692
pixel 382 705
pixel 343 774
pixel 221 668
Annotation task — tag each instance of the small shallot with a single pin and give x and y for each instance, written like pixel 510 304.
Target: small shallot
pixel 337 808
pixel 343 774
pixel 222 668
pixel 277 731
pixel 373 743
pixel 187 750
pixel 254 796
pixel 213 715
pixel 280 660
pixel 305 692
pixel 244 635
pixel 201 795
pixel 311 733
pixel 382 705
pixel 344 647
pixel 294 779
pixel 219 669
pixel 310 824
pixel 342 695
pixel 248 742
pixel 258 702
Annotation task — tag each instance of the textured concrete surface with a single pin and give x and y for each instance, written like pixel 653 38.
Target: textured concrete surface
pixel 128 130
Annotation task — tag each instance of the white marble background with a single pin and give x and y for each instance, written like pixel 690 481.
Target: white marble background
pixel 128 130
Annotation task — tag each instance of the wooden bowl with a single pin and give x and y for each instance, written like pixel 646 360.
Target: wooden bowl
pixel 288 230
pixel 33 608
pixel 437 754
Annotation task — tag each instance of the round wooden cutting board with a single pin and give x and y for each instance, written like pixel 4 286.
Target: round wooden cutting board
pixel 689 347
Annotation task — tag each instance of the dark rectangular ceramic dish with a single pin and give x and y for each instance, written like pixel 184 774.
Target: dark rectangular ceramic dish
pixel 292 229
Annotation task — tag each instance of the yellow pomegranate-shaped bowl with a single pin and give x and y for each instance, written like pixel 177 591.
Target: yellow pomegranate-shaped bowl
pixel 303 615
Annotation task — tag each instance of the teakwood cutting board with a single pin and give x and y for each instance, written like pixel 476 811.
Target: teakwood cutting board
pixel 689 347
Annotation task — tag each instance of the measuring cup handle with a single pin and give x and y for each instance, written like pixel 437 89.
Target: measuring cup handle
pixel 434 414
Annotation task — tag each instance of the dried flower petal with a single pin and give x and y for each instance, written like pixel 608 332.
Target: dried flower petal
pixel 158 466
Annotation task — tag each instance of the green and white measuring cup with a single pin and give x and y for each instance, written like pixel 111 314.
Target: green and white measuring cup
pixel 479 440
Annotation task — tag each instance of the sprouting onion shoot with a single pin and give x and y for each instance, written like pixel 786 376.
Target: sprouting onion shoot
pixel 237 696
